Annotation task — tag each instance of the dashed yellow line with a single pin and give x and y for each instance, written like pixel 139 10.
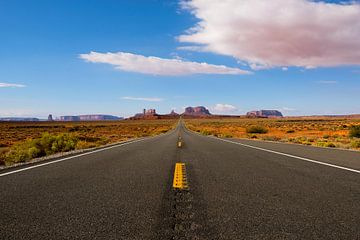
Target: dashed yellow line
pixel 180 181
pixel 179 143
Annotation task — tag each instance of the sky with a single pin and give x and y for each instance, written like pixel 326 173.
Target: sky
pixel 115 57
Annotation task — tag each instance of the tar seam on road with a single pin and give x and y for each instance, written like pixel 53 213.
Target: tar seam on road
pixel 68 158
pixel 289 155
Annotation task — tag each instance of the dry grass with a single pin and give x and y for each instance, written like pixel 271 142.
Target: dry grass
pixel 324 132
pixel 90 134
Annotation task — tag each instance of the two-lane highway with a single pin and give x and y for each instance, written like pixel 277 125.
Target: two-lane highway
pixel 112 194
pixel 235 192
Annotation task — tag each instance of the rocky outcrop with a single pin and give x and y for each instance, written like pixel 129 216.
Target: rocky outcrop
pixel 98 117
pixel 173 113
pixel 197 111
pixel 69 118
pixel 264 113
pixel 19 119
pixel 93 117
pixel 146 114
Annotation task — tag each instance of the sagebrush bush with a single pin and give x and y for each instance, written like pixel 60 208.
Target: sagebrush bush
pixel 355 131
pixel 46 145
pixel 256 129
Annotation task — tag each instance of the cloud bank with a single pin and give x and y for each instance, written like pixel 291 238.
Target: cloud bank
pixel 158 66
pixel 277 33
pixel 143 99
pixel 12 85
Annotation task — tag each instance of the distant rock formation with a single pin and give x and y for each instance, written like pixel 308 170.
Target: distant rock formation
pixel 50 118
pixel 69 118
pixel 98 117
pixel 149 112
pixel 92 117
pixel 146 114
pixel 19 119
pixel 173 113
pixel 264 114
pixel 197 111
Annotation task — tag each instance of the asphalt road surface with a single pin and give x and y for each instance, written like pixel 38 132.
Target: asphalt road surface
pixel 238 189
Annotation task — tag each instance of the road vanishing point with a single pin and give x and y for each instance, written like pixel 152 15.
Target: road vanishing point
pixel 181 185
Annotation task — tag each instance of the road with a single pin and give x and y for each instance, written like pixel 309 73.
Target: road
pixel 238 189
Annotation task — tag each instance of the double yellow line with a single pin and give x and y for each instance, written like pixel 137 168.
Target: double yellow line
pixel 180 180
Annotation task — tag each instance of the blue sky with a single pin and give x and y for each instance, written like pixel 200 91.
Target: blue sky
pixel 43 71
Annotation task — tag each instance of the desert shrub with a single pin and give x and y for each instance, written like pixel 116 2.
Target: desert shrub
pixel 228 135
pixel 205 132
pixel 355 131
pixel 46 145
pixel 2 159
pixel 256 129
pixel 290 131
pixel 321 144
pixel 271 138
pixel 330 145
pixel 84 145
pixel 326 136
pixel 355 144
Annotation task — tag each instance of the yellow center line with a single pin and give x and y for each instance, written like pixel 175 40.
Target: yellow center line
pixel 180 181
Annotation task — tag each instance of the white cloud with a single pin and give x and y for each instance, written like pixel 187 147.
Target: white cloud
pixel 21 112
pixel 277 33
pixel 143 99
pixel 327 82
pixel 158 66
pixel 12 85
pixel 288 109
pixel 224 108
pixel 192 48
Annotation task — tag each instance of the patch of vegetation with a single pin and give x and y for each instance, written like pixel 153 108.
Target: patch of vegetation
pixel 330 145
pixel 14 136
pixel 40 147
pixel 271 138
pixel 326 136
pixel 355 131
pixel 204 132
pixel 355 144
pixel 316 131
pixel 256 129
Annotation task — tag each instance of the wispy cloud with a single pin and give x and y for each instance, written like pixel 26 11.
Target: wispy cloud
pixel 11 85
pixel 146 99
pixel 224 108
pixel 158 66
pixel 327 82
pixel 278 33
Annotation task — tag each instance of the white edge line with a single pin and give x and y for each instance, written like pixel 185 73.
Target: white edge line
pixel 289 155
pixel 79 155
